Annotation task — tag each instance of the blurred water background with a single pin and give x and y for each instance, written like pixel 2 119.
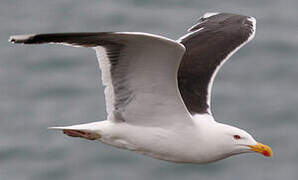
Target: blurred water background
pixel 43 86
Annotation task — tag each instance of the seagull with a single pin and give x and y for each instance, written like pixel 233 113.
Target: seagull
pixel 157 90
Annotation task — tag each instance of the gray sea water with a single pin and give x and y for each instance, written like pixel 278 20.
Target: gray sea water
pixel 42 86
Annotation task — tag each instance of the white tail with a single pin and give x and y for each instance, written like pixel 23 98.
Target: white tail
pixel 88 131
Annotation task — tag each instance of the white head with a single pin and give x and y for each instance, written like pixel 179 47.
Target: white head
pixel 224 141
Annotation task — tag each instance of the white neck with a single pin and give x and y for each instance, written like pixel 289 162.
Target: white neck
pixel 203 118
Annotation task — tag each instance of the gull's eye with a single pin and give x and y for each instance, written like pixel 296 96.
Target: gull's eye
pixel 237 137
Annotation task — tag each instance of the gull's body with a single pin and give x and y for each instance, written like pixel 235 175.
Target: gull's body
pixel 146 112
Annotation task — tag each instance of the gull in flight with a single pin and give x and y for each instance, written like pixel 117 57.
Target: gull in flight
pixel 158 90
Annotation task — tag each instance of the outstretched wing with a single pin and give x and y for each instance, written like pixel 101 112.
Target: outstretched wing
pixel 139 71
pixel 208 45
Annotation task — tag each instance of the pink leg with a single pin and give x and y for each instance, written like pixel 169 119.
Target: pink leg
pixel 82 134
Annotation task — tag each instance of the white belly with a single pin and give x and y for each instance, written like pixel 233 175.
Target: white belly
pixel 166 144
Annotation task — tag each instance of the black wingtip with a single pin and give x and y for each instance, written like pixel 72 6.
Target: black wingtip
pixel 20 38
pixel 11 39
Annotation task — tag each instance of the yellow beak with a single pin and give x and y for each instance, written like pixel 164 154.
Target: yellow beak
pixel 261 148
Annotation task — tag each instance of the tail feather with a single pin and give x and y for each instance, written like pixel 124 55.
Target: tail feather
pixel 83 127
pixel 88 131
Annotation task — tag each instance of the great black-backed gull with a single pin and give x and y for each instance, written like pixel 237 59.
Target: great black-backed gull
pixel 146 111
